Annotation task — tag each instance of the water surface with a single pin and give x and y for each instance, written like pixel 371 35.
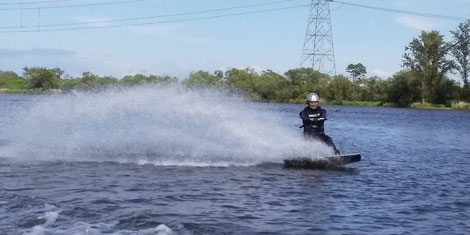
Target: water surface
pixel 56 178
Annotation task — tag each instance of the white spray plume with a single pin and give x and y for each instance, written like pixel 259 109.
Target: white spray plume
pixel 160 125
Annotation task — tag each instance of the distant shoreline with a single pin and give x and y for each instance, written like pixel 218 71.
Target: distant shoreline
pixel 455 106
pixel 27 91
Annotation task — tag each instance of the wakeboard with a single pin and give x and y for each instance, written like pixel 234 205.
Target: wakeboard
pixel 323 162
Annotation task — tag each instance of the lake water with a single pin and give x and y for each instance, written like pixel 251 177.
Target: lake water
pixel 159 160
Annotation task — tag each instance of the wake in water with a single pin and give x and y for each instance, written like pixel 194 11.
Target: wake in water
pixel 29 216
pixel 160 125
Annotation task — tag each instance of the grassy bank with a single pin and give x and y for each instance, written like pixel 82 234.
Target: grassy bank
pixel 429 106
pixel 455 106
pixel 14 91
pixel 461 106
pixel 344 102
pixel 28 91
pixel 357 103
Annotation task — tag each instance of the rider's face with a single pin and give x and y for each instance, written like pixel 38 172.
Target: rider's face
pixel 313 104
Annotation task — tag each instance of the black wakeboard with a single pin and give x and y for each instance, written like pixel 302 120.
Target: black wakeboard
pixel 322 163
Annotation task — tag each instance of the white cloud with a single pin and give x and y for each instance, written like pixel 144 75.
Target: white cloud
pixel 381 73
pixel 414 22
pixel 93 21
pixel 72 62
pixel 255 68
pixel 35 52
pixel 154 30
pixel 170 33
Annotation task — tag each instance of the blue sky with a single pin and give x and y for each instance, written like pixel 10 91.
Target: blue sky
pixel 269 40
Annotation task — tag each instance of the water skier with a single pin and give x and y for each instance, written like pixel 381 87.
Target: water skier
pixel 313 119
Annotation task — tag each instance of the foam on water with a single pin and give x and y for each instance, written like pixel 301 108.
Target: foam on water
pixel 50 217
pixel 160 125
pixel 79 228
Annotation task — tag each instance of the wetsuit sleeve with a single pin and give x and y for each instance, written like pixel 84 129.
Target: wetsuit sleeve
pixel 304 116
pixel 323 114
pixel 321 118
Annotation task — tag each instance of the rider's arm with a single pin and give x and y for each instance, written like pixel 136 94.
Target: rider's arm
pixel 304 116
pixel 322 117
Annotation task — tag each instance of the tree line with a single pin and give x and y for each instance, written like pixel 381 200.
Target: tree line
pixel 427 63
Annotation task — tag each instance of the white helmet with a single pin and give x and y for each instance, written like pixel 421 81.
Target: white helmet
pixel 313 97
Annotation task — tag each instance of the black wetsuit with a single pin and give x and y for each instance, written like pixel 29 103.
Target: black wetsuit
pixel 313 123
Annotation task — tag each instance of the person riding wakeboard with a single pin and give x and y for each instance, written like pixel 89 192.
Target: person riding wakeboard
pixel 313 119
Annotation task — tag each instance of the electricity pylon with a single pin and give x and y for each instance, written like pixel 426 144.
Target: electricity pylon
pixel 318 48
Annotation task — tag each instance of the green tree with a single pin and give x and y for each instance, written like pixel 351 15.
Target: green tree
pixel 339 89
pixel 70 83
pixel 271 86
pixel 219 74
pixel 447 90
pixel 404 88
pixel 243 79
pixel 11 80
pixel 305 80
pixel 372 89
pixel 204 78
pixel 107 81
pixel 460 49
pixel 357 71
pixel 89 79
pixel 42 78
pixel 426 55
pixel 140 79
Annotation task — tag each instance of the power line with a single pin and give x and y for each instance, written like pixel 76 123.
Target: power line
pixel 36 2
pixel 456 43
pixel 72 6
pixel 444 17
pixel 150 17
pixel 160 22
